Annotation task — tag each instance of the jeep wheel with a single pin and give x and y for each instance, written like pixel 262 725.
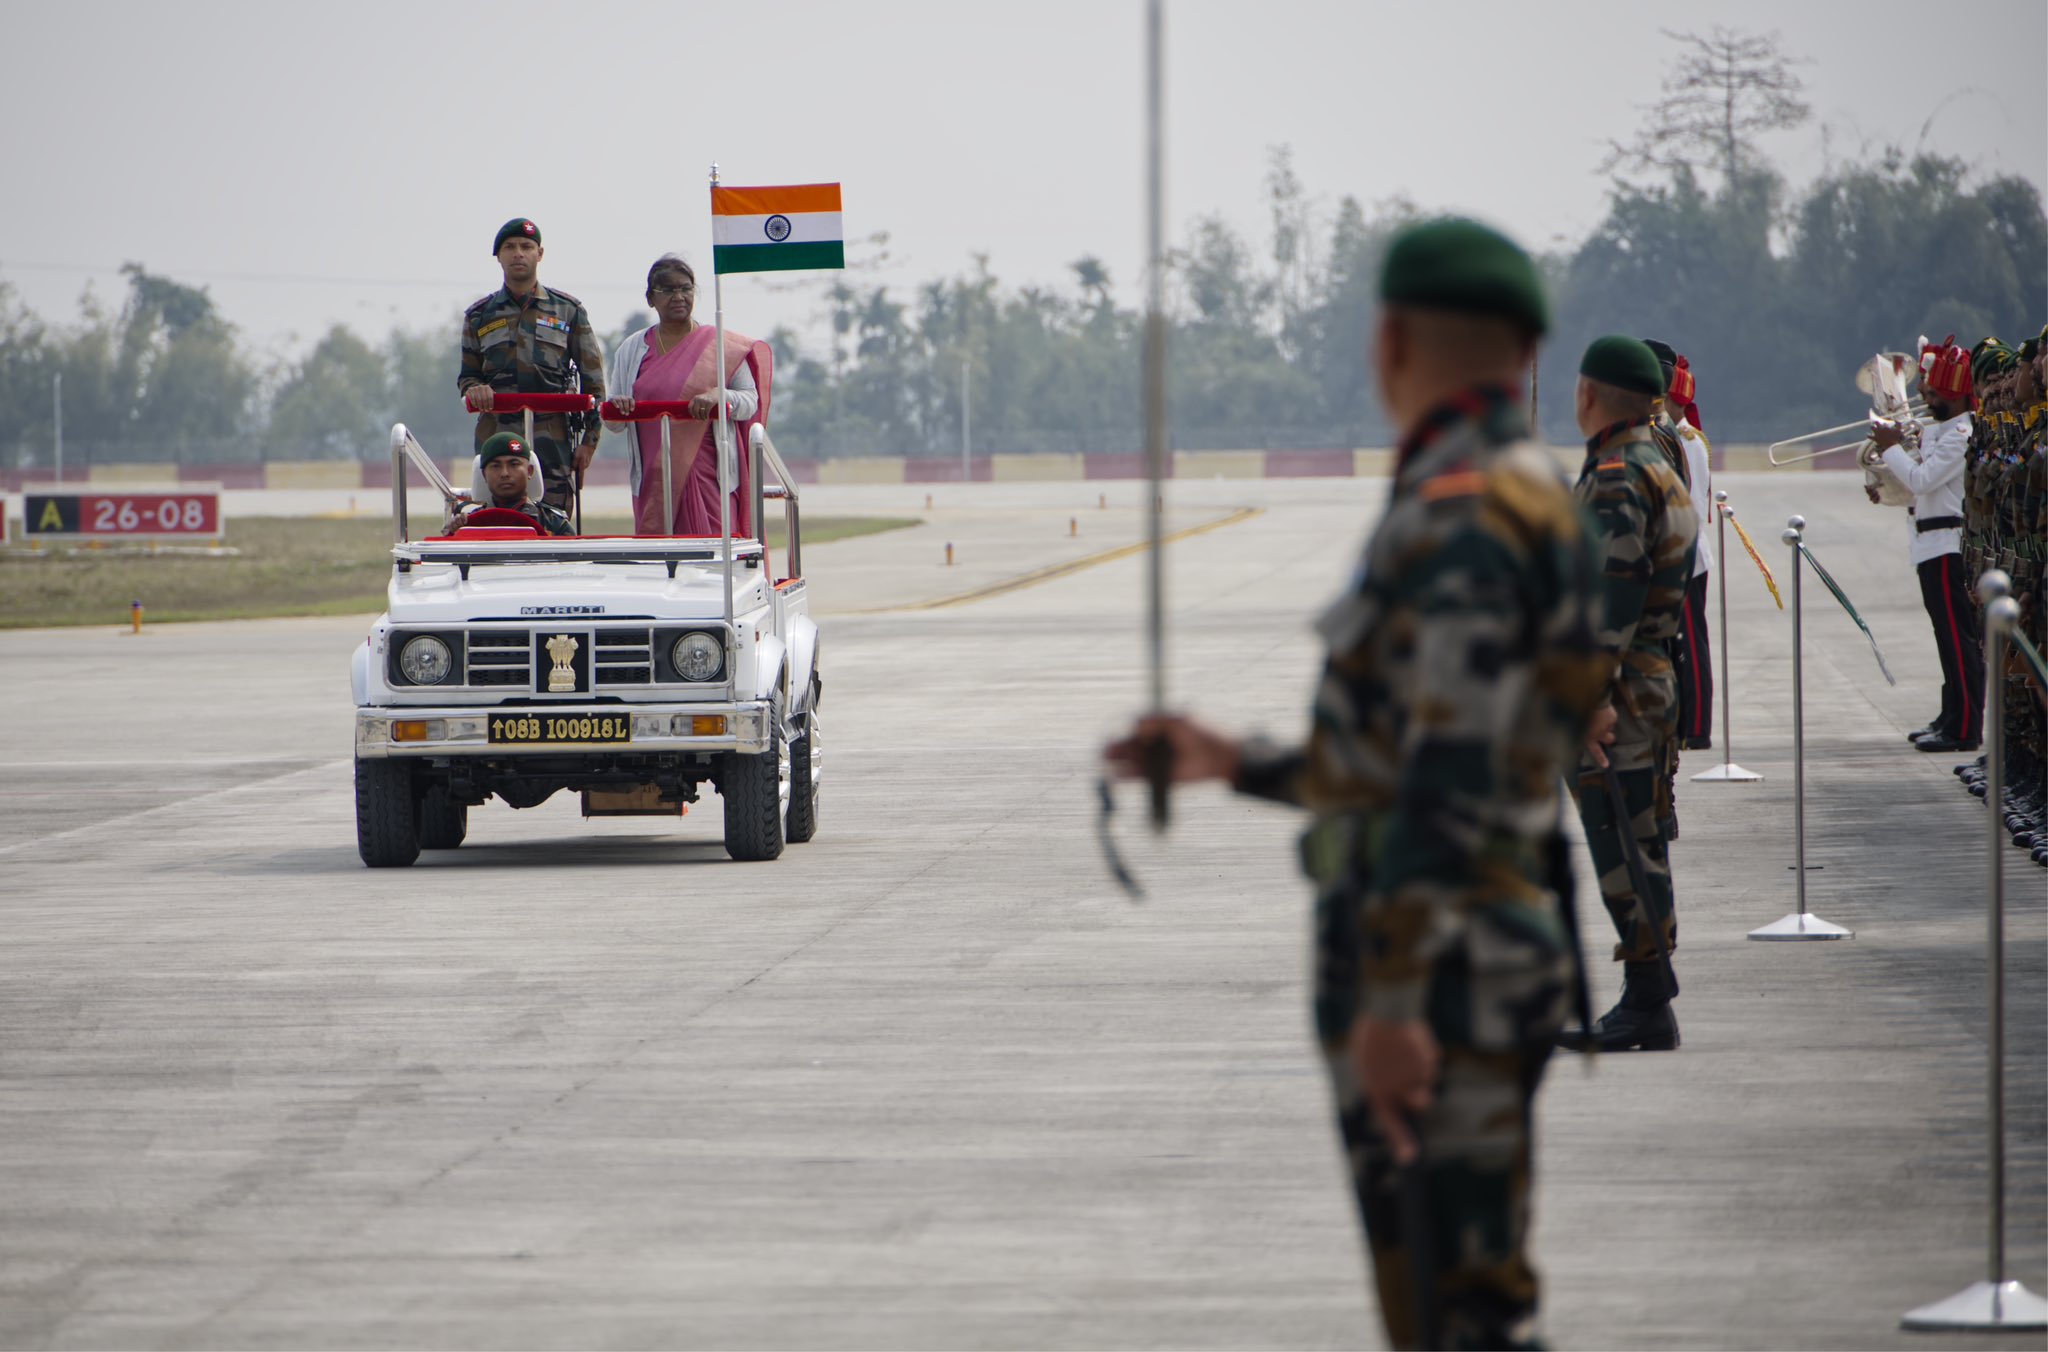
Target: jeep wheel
pixel 805 765
pixel 752 787
pixel 443 822
pixel 387 818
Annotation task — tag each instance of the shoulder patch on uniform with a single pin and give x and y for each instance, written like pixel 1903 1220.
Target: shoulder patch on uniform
pixel 563 295
pixel 1459 484
pixel 1609 466
pixel 480 302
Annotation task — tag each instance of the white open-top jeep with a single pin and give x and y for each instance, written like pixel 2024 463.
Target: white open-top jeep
pixel 631 669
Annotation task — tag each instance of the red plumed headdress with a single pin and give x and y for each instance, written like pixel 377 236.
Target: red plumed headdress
pixel 1681 395
pixel 1945 369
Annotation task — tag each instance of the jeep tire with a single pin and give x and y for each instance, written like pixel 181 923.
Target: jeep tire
pixel 752 789
pixel 443 821
pixel 802 823
pixel 387 814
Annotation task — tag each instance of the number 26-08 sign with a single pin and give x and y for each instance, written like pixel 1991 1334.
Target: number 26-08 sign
pixel 189 512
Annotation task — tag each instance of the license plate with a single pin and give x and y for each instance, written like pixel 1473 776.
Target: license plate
pixel 538 728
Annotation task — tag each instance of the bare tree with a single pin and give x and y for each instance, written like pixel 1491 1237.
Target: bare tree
pixel 1727 89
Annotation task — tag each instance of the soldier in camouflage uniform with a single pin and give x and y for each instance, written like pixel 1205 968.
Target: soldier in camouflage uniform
pixel 525 339
pixel 1461 671
pixel 506 470
pixel 1647 532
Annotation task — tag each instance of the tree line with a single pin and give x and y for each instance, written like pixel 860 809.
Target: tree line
pixel 1776 294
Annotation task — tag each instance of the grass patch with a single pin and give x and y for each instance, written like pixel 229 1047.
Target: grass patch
pixel 287 566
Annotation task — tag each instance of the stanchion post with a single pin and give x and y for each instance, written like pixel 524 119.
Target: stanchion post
pixel 1728 772
pixel 1801 924
pixel 1995 1302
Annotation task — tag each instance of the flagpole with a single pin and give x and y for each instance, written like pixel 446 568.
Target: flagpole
pixel 723 436
pixel 1159 768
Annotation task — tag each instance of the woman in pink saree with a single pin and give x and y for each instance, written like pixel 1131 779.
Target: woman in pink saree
pixel 676 359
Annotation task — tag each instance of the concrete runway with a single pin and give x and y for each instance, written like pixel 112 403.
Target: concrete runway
pixel 930 1081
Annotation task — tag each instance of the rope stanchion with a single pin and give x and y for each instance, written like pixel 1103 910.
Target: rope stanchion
pixel 1727 772
pixel 1802 924
pixel 1756 558
pixel 1996 1302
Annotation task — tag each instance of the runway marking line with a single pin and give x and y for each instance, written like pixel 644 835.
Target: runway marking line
pixel 1047 574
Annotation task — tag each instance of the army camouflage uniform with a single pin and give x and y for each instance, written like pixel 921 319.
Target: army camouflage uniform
pixel 528 345
pixel 1647 533
pixel 1461 670
pixel 551 520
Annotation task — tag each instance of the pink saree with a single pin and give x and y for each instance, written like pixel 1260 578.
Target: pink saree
pixel 684 373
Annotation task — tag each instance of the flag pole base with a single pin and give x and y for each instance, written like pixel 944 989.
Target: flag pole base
pixel 1801 925
pixel 1727 774
pixel 1982 1305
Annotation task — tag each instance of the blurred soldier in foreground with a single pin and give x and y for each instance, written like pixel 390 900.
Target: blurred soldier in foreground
pixel 1461 671
pixel 1935 477
pixel 1646 534
pixel 526 339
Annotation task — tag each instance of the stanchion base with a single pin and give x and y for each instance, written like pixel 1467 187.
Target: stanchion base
pixel 1727 774
pixel 1801 925
pixel 1982 1305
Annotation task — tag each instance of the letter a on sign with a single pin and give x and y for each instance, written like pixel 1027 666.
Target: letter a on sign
pixel 52 519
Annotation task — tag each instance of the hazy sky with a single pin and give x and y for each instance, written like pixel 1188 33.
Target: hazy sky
pixel 350 163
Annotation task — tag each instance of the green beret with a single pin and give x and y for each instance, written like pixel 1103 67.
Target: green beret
pixel 2030 349
pixel 1456 264
pixel 516 228
pixel 1625 363
pixel 1667 356
pixel 504 443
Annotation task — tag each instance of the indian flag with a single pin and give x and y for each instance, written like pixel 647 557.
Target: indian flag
pixel 776 229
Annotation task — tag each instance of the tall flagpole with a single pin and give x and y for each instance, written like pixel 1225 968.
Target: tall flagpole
pixel 724 435
pixel 1159 765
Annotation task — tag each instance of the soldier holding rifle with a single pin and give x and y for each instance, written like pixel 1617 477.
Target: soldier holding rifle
pixel 1461 671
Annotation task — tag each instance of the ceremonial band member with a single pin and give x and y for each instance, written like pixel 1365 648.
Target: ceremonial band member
pixel 526 339
pixel 1461 671
pixel 507 473
pixel 1692 654
pixel 1936 521
pixel 1645 545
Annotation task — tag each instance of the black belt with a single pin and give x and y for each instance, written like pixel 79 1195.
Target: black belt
pixel 1938 523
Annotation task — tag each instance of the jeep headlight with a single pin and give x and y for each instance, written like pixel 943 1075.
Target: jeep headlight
pixel 697 656
pixel 424 660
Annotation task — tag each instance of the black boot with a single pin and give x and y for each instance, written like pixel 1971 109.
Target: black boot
pixel 1641 1021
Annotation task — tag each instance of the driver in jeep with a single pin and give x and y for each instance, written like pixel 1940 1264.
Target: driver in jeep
pixel 507 484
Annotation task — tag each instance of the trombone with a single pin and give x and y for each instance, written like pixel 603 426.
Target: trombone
pixel 1884 378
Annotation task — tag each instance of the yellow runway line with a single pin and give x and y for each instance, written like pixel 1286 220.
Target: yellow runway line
pixel 1036 576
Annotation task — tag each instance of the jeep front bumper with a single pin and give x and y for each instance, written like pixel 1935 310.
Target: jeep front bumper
pixel 552 730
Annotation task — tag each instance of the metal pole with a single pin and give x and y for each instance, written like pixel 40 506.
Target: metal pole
pixel 1801 924
pixel 1729 771
pixel 1994 1302
pixel 1792 538
pixel 667 525
pixel 966 439
pixel 57 398
pixel 1159 769
pixel 723 441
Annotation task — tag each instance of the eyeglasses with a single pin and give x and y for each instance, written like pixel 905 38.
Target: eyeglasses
pixel 673 291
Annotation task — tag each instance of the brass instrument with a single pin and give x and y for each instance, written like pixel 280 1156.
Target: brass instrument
pixel 1885 378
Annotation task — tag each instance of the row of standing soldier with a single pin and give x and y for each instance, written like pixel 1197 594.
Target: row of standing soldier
pixel 2005 526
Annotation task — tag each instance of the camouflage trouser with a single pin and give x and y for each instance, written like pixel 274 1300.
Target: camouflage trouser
pixel 1456 1223
pixel 551 444
pixel 1644 793
pixel 1465 1207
